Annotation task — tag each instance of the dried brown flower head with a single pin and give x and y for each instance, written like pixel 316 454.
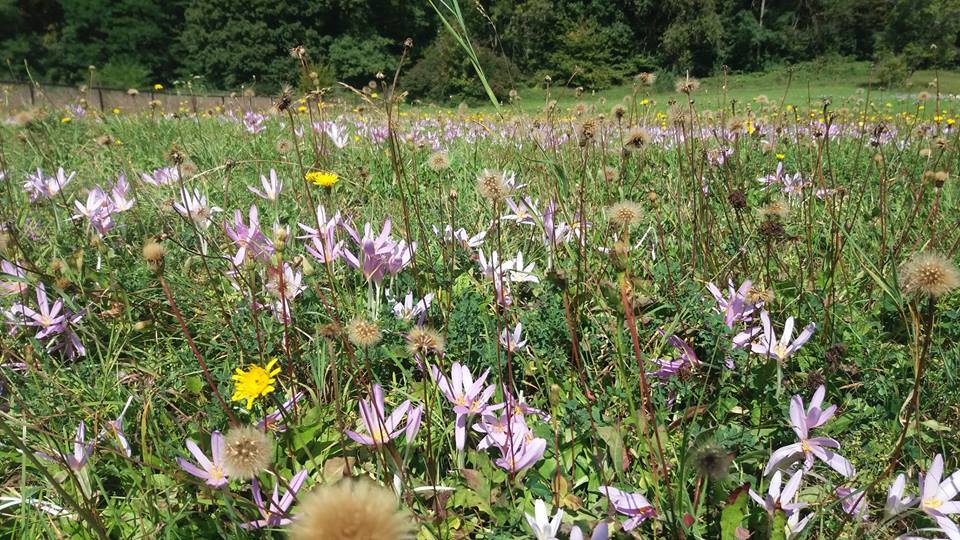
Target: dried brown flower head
pixel 351 510
pixel 929 274
pixel 363 333
pixel 422 340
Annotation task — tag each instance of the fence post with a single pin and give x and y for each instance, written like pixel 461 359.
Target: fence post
pixel 100 97
pixel 32 98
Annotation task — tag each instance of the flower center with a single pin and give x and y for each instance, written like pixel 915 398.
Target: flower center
pixel 932 503
pixel 805 446
pixel 216 472
pixel 780 351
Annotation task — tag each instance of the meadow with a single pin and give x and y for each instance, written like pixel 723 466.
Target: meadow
pixel 672 313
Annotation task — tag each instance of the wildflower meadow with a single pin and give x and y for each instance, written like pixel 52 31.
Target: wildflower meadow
pixel 349 316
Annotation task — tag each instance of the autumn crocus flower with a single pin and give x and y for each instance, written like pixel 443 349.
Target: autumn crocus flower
pixel 467 395
pixel 254 382
pixel 211 470
pixel 633 505
pixel 779 350
pixel 513 341
pixel 276 511
pixel 380 427
pixel 115 427
pixel 543 527
pixel 600 532
pixel 937 497
pixel 271 187
pixel 82 451
pixel 248 238
pixel 195 208
pixel 12 279
pixel 781 496
pixel 275 421
pixel 734 307
pixel 896 502
pixel 811 448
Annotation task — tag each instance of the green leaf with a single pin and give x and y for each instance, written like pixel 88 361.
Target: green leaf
pixel 733 513
pixel 778 529
pixel 611 435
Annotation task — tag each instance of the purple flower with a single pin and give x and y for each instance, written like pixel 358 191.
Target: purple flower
pixel 325 248
pixel 382 428
pixel 253 122
pixel 47 318
pixel 686 360
pixel 734 307
pixel 337 133
pixel 803 420
pixel 467 395
pixel 514 341
pixel 378 255
pixel 275 421
pixel 250 241
pixel 896 502
pixel 779 496
pixel 195 208
pixel 767 343
pixel 98 210
pixel 407 310
pixel 115 427
pixel 82 451
pixel 271 187
pixel 633 505
pixel 522 451
pixel 39 186
pixel 119 192
pixel 853 502
pixel 600 532
pixel 937 497
pixel 276 512
pixel 12 279
pixel 461 237
pixel 161 177
pixel 211 470
pixel 525 213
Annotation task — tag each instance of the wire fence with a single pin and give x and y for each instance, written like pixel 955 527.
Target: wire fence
pixel 16 96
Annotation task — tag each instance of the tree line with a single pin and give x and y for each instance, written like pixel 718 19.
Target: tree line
pixel 228 44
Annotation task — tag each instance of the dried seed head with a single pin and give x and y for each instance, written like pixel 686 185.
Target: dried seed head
pixel 492 185
pixel 737 199
pixel 351 510
pixel 624 214
pixel 712 461
pixel 154 254
pixel 363 333
pixel 645 78
pixel 422 341
pixel 929 274
pixel 636 138
pixel 438 161
pixel 687 85
pixel 246 452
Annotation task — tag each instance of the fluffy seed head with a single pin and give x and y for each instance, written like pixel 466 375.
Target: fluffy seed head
pixel 351 510
pixel 687 85
pixel 363 333
pixel 154 253
pixel 712 461
pixel 624 214
pixel 636 138
pixel 610 174
pixel 423 340
pixel 645 78
pixel 929 274
pixel 491 185
pixel 775 210
pixel 438 161
pixel 247 452
pixel 618 111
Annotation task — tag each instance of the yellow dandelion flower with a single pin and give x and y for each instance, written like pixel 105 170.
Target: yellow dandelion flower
pixel 644 101
pixel 116 110
pixel 66 120
pixel 158 86
pixel 324 179
pixel 302 108
pixel 255 382
pixel 781 156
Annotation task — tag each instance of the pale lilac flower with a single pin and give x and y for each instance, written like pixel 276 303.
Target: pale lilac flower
pixel 467 395
pixel 494 427
pixel 600 532
pixel 115 427
pixel 460 236
pixel 687 359
pixel 520 273
pixel 195 208
pixel 780 496
pixel 39 186
pixel 522 451
pixel 324 246
pixel 98 211
pixel 937 497
pixel 513 341
pixel 52 322
pixel 525 213
pixel 896 502
pixel 119 193
pixel 13 280
pixel 772 179
pixel 211 471
pixel 633 505
pixel 253 122
pixel 734 307
pixel 82 451
pixel 276 512
pixel 276 421
pixel 337 133
pixel 853 502
pixel 250 241
pixel 408 310
pixel 796 524
pixel 271 187
pixel 767 343
pixel 380 427
pixel 543 527
pixel 378 255
pixel 803 420
pixel 161 177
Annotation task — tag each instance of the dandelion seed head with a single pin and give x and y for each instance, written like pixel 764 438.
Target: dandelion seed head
pixel 422 340
pixel 351 510
pixel 624 214
pixel 712 461
pixel 492 185
pixel 363 333
pixel 929 274
pixel 247 452
pixel 438 161
pixel 636 138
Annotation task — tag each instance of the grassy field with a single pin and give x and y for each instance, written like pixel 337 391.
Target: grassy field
pixel 376 321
